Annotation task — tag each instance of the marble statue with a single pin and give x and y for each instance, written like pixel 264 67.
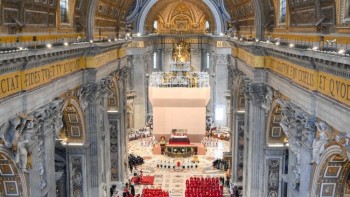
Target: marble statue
pixel 296 181
pixel 268 99
pixel 319 144
pixel 23 130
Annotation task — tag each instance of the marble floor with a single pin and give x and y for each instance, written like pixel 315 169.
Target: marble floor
pixel 174 179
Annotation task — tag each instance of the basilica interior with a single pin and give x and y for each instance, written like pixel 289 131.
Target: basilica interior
pixel 174 98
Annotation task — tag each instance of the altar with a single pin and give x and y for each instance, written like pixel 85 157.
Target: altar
pixel 179 150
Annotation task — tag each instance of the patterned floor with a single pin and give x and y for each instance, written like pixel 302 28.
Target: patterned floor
pixel 174 179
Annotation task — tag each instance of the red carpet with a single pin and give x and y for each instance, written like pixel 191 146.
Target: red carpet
pixel 146 180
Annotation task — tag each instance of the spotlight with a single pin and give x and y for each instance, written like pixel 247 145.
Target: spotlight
pixel 291 45
pixel 65 43
pixel 109 40
pixel 256 40
pixel 49 45
pixel 91 41
pixel 277 43
pixel 341 52
pixel 20 48
pixel 138 34
pixel 315 48
pixel 115 39
pixel 221 34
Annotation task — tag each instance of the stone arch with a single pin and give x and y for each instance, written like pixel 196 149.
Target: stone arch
pixel 73 130
pixel 274 132
pixel 12 180
pixel 333 172
pixel 145 11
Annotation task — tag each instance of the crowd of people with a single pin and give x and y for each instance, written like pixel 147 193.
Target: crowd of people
pixel 134 161
pixel 210 142
pixel 221 164
pixel 146 192
pixel 171 164
pixel 140 133
pixel 148 142
pixel 203 187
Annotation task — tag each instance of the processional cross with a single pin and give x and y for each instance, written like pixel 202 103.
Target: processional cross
pixel 179 47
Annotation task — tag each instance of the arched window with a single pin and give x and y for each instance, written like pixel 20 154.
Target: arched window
pixel 207 25
pixel 155 60
pixel 347 9
pixel 64 11
pixel 208 60
pixel 155 24
pixel 283 11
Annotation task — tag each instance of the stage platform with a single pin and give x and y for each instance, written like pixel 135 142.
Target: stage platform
pixel 200 148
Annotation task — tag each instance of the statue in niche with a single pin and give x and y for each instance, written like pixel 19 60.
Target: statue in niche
pixel 319 144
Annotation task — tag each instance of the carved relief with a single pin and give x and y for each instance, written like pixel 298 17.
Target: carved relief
pixel 87 94
pixel 258 93
pixel 222 59
pixel 114 127
pixel 268 99
pixel 46 119
pixel 273 177
pixel 15 135
pixel 240 152
pixel 300 131
pixel 77 180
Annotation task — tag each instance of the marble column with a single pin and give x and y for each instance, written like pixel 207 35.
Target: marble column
pixel 140 101
pixel 91 94
pixel 256 128
pixel 246 169
pixel 124 138
pixel 47 122
pixel 219 101
pixel 91 118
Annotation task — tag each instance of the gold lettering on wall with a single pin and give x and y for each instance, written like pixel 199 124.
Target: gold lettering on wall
pixel 37 76
pixel 12 83
pixel 121 53
pixel 31 78
pixel 137 44
pixel 9 84
pixel 99 60
pixel 298 74
pixel 223 44
pixel 332 86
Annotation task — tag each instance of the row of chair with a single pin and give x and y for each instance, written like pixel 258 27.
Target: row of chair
pixel 154 193
pixel 203 187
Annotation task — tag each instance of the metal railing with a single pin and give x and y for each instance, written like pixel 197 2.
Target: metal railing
pixel 191 80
